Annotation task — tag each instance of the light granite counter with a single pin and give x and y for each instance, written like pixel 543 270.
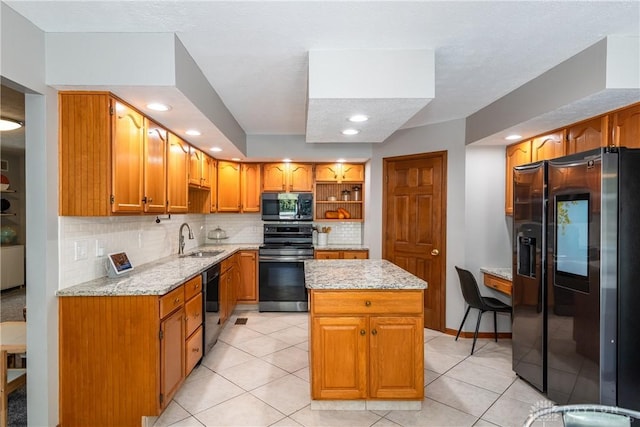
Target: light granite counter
pixel 155 278
pixel 502 272
pixel 358 274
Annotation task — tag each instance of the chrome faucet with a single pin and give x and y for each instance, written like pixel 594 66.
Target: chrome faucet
pixel 181 238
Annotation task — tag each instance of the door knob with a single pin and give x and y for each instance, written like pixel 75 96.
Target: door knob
pixel 435 252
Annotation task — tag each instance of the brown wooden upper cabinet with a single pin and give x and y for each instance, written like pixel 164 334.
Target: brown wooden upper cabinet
pixel 128 159
pixel 548 147
pixel 177 175
pixel 155 168
pixel 213 195
pixel 517 154
pixel 626 127
pixel 114 160
pixel 228 186
pixel 102 155
pixel 588 135
pixel 250 187
pixel 294 177
pixel 340 172
pixel 199 169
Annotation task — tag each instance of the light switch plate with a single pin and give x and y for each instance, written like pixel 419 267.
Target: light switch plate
pixel 81 250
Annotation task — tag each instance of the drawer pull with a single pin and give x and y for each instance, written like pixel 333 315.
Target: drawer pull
pixel 196 349
pixel 363 332
pixel 177 300
pixel 374 332
pixel 367 303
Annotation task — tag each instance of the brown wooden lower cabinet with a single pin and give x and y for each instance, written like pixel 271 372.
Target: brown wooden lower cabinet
pixel 248 286
pixel 124 357
pixel 380 337
pixel 228 286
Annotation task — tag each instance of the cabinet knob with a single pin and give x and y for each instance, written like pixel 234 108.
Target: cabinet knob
pixel 177 300
pixel 363 332
pixel 150 199
pixel 374 332
pixel 367 303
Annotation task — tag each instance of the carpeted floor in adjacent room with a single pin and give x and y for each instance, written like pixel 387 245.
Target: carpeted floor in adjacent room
pixel 12 301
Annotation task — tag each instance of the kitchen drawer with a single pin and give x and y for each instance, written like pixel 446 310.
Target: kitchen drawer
pixel 366 302
pixel 497 283
pixel 227 263
pixel 171 301
pixel 356 255
pixel 192 287
pixel 193 350
pixel 193 313
pixel 327 255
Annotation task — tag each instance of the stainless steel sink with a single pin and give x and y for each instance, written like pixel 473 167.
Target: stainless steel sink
pixel 203 254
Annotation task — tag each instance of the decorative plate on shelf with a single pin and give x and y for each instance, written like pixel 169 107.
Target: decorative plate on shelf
pixel 4 182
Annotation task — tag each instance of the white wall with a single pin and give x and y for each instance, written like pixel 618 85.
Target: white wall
pixel 487 236
pixel 447 136
pixel 23 66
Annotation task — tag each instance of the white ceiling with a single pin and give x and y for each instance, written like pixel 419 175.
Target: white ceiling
pixel 255 54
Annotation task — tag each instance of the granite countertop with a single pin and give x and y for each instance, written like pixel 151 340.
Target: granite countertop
pixel 502 272
pixel 358 274
pixel 341 247
pixel 157 277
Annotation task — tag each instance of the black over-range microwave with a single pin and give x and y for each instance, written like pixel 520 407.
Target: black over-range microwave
pixel 287 206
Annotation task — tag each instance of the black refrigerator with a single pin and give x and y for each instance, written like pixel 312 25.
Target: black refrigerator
pixel 576 277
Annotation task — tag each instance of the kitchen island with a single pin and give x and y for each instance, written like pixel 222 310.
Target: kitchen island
pixel 366 335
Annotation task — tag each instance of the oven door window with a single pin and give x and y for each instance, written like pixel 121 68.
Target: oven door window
pixel 282 281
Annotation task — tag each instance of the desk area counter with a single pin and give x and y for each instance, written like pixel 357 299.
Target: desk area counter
pixel 358 274
pixel 498 278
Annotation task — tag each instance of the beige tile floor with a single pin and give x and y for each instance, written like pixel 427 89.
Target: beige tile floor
pixel 258 375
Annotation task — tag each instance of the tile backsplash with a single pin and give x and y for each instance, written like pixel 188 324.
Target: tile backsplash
pixel 85 241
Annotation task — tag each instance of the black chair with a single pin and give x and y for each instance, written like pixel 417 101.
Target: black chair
pixel 472 296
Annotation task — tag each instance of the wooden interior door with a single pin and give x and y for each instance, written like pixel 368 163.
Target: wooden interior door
pixel 414 224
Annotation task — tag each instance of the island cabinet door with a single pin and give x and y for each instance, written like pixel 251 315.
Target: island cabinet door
pixel 339 357
pixel 396 357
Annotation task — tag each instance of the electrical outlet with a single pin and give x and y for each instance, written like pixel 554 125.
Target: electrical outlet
pixel 81 250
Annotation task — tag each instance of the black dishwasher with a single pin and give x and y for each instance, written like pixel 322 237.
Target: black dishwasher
pixel 211 279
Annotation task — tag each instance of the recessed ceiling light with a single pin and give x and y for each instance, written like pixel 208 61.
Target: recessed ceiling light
pixel 513 137
pixel 156 106
pixel 350 132
pixel 193 132
pixel 358 118
pixel 9 124
pixel 286 160
pixel 235 159
pixel 216 149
